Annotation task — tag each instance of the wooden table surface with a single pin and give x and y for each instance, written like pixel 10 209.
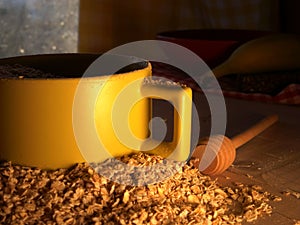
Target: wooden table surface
pixel 272 159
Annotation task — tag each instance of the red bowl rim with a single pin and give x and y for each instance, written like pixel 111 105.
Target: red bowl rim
pixel 212 34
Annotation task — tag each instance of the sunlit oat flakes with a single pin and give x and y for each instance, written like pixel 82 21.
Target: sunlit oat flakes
pixel 79 195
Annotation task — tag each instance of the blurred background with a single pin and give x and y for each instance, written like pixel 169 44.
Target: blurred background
pixel 43 26
pixel 38 26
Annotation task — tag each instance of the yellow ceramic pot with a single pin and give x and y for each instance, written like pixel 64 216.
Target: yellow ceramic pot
pixel 50 123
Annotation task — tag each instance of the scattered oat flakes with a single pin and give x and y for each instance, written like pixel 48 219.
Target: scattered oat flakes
pixel 249 176
pixel 297 222
pixel 293 193
pixel 79 195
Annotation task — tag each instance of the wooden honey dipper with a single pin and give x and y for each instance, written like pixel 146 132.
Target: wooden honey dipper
pixel 224 148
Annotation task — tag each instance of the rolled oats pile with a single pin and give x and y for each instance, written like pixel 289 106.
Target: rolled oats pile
pixel 80 195
pixel 18 71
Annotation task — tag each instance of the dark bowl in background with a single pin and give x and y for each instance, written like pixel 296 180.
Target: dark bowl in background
pixel 212 45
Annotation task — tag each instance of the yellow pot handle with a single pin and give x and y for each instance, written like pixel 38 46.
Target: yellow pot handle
pixel 181 99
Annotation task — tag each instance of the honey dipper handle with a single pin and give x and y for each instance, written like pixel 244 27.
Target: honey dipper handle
pixel 253 131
